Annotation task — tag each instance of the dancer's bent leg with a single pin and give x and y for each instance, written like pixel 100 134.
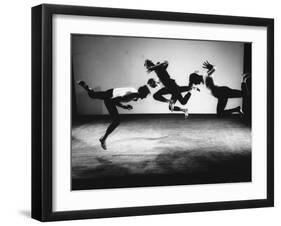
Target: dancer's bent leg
pixel 222 101
pixel 177 90
pixel 159 94
pixel 176 96
pixel 172 106
pixel 113 112
pixel 221 112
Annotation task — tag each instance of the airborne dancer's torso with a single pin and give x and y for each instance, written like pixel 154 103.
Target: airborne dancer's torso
pixel 163 75
pixel 124 94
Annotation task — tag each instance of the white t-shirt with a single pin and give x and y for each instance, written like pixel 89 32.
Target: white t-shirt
pixel 120 92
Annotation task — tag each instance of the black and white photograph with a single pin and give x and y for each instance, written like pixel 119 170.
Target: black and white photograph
pixel 159 112
pixel 142 112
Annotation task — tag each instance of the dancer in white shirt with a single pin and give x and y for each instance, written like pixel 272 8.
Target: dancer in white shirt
pixel 115 97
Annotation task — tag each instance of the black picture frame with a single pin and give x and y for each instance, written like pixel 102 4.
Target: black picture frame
pixel 42 107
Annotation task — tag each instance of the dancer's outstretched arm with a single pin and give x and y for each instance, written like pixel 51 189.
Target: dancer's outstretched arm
pixel 118 101
pixel 152 68
pixel 128 106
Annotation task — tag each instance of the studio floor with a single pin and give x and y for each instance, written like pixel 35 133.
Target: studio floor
pixel 161 150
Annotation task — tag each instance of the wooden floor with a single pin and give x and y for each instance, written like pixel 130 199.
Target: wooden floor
pixel 161 151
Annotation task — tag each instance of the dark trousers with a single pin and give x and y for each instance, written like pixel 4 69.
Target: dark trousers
pixel 175 90
pixel 223 93
pixel 111 108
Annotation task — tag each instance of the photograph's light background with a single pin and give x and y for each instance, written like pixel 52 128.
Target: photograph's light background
pixel 15 112
pixel 106 62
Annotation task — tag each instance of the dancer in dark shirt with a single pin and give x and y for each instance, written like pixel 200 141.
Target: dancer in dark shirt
pixel 222 93
pixel 170 87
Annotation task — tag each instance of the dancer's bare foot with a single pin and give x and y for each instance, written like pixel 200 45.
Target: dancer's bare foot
pixel 171 105
pixel 103 144
pixel 240 111
pixel 185 113
pixel 81 82
pixel 85 86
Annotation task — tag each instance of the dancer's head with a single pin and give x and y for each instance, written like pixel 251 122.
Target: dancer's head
pixel 195 79
pixel 148 63
pixel 143 91
pixel 152 83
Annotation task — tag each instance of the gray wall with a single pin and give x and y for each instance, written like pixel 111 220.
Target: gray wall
pixel 106 62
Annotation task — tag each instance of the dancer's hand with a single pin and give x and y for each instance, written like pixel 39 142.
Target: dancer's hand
pixel 129 107
pixel 149 65
pixel 195 88
pixel 207 65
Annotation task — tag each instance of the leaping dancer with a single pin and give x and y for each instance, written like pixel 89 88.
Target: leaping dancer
pixel 112 98
pixel 170 87
pixel 222 93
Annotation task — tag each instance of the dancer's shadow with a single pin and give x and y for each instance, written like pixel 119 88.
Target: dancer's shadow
pixel 141 138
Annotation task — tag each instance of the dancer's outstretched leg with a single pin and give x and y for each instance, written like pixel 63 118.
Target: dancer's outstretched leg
pixel 96 95
pixel 233 93
pixel 84 85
